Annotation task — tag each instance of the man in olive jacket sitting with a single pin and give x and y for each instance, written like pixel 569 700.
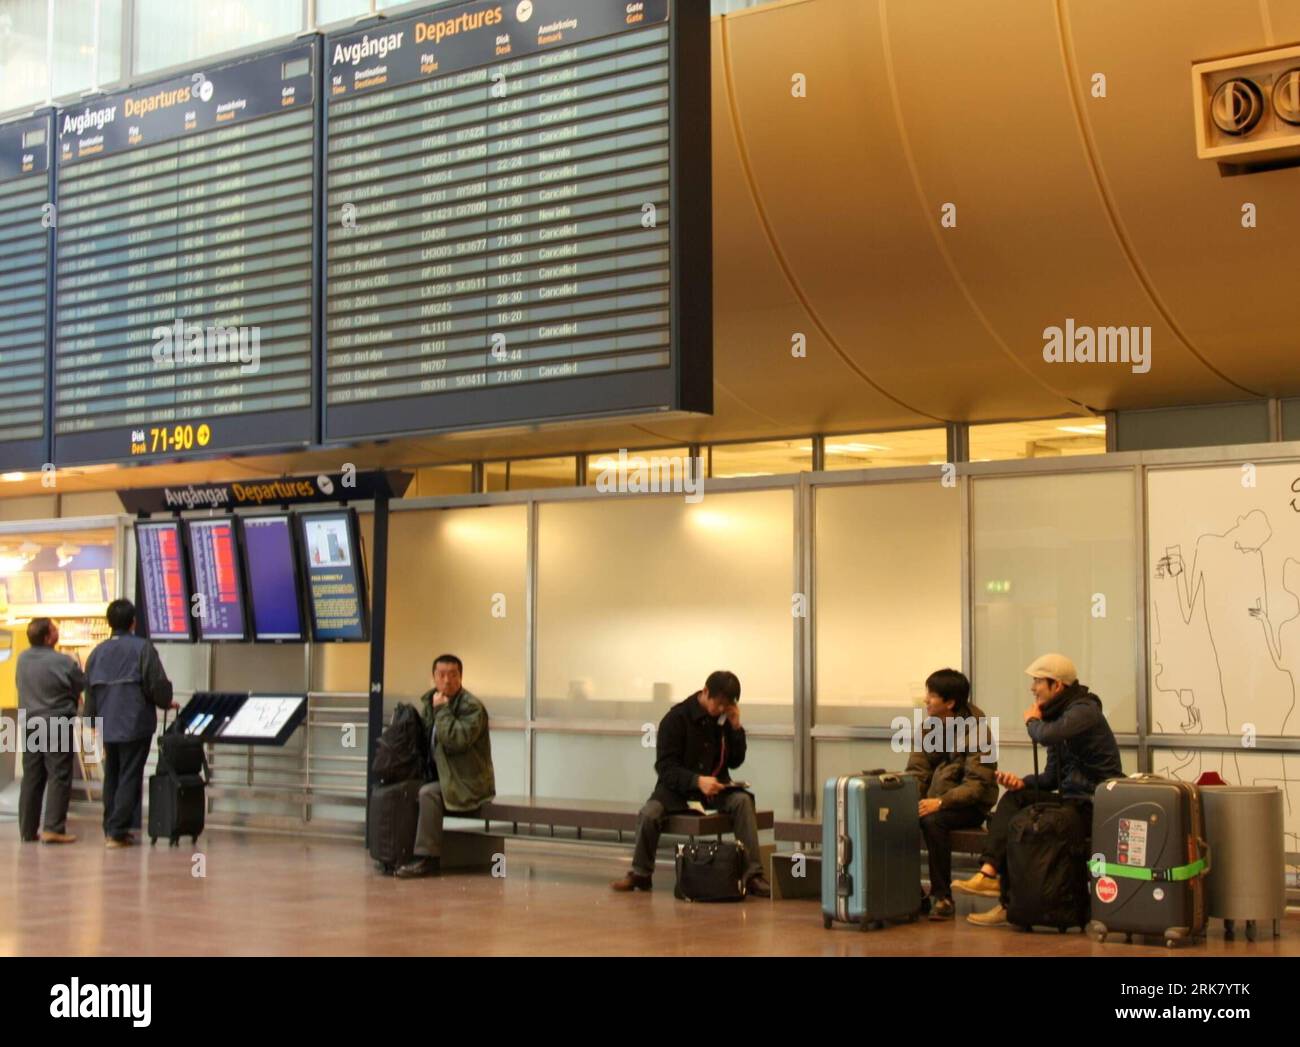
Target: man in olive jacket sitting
pixel 958 786
pixel 463 779
pixel 699 742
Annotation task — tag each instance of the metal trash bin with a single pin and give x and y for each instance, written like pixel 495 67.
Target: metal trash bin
pixel 1247 877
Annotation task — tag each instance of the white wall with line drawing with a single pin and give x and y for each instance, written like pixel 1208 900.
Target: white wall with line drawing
pixel 1223 563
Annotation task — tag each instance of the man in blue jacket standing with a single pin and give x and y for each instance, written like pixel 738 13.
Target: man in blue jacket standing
pixel 126 686
pixel 1081 754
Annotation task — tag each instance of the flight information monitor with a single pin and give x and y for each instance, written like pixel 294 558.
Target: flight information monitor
pixel 218 579
pixel 336 582
pixel 185 264
pixel 26 226
pixel 274 590
pixel 517 216
pixel 164 581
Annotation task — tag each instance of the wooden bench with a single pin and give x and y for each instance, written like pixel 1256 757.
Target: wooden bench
pixel 807 833
pixel 599 815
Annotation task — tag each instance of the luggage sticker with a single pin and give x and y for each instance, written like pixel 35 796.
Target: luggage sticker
pixel 1107 889
pixel 1132 848
pixel 1158 894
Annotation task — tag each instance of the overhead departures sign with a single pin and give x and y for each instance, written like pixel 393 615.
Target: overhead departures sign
pixel 517 216
pixel 26 229
pixel 186 264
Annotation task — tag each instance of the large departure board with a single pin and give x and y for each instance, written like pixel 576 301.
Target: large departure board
pixel 186 274
pixel 26 226
pixel 517 216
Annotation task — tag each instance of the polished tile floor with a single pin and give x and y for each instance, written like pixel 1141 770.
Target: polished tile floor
pixel 283 895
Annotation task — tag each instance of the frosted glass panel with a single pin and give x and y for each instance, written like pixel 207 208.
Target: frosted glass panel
pixel 593 767
pixel 834 757
pixel 1048 550
pixel 24 73
pixel 639 599
pixel 168 33
pixel 456 585
pixel 1019 759
pixel 618 767
pixel 258 667
pixel 185 664
pixel 888 591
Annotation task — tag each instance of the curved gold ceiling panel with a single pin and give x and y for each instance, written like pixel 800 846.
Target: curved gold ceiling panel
pixel 827 207
pixel 1231 290
pixel 989 106
pixel 833 175
pixel 758 312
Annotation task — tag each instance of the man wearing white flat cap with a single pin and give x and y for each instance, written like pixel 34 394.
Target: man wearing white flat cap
pixel 1082 753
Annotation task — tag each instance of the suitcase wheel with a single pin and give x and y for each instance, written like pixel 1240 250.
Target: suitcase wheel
pixel 194 840
pixel 175 841
pixel 1229 932
pixel 152 840
pixel 1096 931
pixel 826 921
pixel 1250 930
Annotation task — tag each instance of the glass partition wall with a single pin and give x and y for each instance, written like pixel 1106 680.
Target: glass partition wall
pixel 582 616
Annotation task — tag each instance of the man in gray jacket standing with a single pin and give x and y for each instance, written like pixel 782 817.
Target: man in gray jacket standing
pixel 49 688
pixel 127 685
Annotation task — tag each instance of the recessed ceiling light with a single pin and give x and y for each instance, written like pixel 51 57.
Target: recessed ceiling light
pixel 13 477
pixel 1084 430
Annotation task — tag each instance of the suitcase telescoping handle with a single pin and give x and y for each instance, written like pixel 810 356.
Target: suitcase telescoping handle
pixel 888 779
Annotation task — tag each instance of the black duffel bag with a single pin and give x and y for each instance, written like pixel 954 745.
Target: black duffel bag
pixel 711 872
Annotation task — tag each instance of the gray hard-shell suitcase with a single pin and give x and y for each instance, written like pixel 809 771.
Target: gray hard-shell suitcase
pixel 1150 857
pixel 871 849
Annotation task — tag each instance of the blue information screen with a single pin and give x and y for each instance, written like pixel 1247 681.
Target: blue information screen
pixel 272 579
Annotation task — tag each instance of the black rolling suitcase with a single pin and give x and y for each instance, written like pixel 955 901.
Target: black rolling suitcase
pixel 1046 882
pixel 394 814
pixel 1150 860
pixel 178 802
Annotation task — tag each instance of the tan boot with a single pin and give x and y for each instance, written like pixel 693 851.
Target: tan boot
pixel 980 885
pixel 995 917
pixel 49 837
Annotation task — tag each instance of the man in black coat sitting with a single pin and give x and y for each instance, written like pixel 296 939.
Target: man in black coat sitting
pixel 700 740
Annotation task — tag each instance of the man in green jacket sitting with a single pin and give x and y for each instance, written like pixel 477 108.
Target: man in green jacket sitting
pixel 462 762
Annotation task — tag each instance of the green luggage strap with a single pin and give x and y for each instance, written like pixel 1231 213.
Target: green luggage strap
pixel 1100 867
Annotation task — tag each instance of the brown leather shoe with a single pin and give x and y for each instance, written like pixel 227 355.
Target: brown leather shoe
pixel 758 886
pixel 49 837
pixel 632 882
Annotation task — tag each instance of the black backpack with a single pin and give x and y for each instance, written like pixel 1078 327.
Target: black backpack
pixel 1047 866
pixel 403 751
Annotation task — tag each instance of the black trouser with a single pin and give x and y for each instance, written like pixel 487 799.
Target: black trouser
pixel 1011 804
pixel 123 783
pixel 48 776
pixel 937 829
pixel 735 802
